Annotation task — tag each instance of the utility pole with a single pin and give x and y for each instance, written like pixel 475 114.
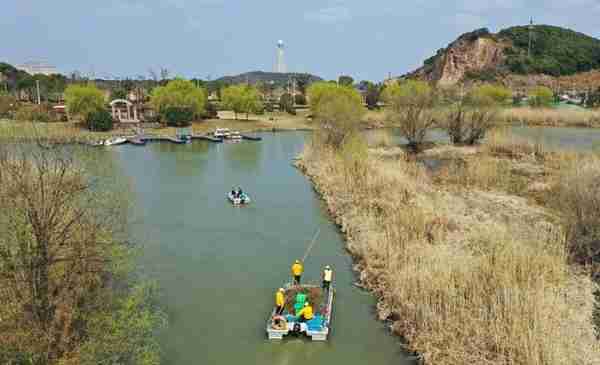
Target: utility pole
pixel 37 84
pixel 530 37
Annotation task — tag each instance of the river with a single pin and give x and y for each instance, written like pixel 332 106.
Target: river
pixel 219 265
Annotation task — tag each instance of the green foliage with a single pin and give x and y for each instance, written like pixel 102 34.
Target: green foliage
pixel 118 94
pixel 338 110
pixel 286 104
pixel 211 111
pixel 490 94
pixel 8 105
pixel 373 94
pixel 176 116
pixel 179 94
pixel 555 51
pixel 83 100
pixel 593 99
pixel 100 120
pixel 125 334
pixel 345 80
pixel 241 99
pixel 32 113
pixel 410 108
pixel 485 75
pixel 541 96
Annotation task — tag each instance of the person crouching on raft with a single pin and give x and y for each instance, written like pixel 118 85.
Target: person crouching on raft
pixel 279 301
pixel 327 277
pixel 297 270
pixel 306 313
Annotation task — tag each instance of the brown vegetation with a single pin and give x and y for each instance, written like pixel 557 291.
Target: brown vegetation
pixel 551 117
pixel 468 276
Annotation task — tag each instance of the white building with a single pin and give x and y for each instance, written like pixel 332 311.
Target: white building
pixel 34 68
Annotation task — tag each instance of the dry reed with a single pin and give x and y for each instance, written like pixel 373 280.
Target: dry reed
pixel 463 281
pixel 552 117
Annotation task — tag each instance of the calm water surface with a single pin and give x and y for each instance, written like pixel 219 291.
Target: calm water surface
pixel 219 265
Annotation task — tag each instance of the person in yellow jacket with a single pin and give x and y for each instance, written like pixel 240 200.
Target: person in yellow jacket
pixel 297 270
pixel 327 277
pixel 306 313
pixel 279 301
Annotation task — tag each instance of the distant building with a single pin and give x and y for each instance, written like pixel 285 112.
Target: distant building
pixel 35 68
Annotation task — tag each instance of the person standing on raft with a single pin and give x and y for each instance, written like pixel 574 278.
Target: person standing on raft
pixel 297 270
pixel 279 301
pixel 327 278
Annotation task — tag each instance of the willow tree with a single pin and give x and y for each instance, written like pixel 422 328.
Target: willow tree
pixel 337 109
pixel 84 100
pixel 179 101
pixel 242 99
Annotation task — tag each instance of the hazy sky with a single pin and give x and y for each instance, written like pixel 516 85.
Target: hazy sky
pixel 198 38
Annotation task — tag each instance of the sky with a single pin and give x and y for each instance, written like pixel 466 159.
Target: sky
pixel 367 39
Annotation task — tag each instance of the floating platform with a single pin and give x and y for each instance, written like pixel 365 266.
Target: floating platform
pixel 251 138
pixel 318 328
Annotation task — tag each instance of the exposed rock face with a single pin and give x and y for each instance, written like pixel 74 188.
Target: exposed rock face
pixel 471 52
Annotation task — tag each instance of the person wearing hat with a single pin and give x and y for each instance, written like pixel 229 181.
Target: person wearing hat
pixel 297 270
pixel 306 313
pixel 279 301
pixel 327 277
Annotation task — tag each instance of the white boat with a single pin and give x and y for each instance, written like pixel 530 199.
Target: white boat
pixel 97 143
pixel 115 141
pixel 221 133
pixel 234 135
pixel 245 199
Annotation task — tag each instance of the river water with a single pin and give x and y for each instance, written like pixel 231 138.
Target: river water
pixel 219 265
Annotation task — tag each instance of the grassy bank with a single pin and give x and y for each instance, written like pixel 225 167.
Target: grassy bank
pixel 467 270
pixel 563 117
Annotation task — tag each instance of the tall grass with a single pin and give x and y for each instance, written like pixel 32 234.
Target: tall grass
pixel 552 117
pixel 461 284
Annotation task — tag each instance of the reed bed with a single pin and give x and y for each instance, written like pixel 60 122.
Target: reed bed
pixel 465 277
pixel 552 117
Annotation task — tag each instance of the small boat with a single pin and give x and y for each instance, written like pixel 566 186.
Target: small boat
pixel 115 141
pixel 234 136
pixel 97 143
pixel 221 133
pixel 245 199
pixel 287 324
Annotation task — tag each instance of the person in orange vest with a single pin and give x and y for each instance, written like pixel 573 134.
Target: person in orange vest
pixel 327 278
pixel 297 270
pixel 306 313
pixel 279 301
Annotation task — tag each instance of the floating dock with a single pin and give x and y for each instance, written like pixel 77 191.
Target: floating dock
pixel 318 328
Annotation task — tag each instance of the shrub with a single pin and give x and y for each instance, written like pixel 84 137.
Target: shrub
pixel 410 109
pixel 32 113
pixel 286 104
pixel 8 105
pixel 211 111
pixel 178 116
pixel 100 120
pixel 540 96
pixel 471 116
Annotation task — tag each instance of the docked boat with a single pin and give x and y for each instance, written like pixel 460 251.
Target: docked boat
pixel 115 141
pixel 221 133
pixel 244 199
pixel 234 136
pixel 288 324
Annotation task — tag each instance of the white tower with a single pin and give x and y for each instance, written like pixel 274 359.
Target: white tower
pixel 280 65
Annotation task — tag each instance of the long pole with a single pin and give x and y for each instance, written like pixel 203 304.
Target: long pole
pixel 312 243
pixel 37 83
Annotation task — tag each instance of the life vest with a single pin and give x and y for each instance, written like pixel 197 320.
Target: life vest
pixel 307 312
pixel 297 269
pixel 327 275
pixel 279 299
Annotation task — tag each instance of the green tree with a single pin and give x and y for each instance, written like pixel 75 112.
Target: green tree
pixel 118 94
pixel 100 120
pixel 410 106
pixel 338 110
pixel 83 100
pixel 241 98
pixel 179 94
pixel 345 80
pixel 286 104
pixel 540 96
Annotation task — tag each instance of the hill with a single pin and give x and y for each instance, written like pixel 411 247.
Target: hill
pixel 278 79
pixel 485 56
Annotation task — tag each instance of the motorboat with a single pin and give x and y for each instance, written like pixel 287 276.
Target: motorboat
pixel 115 141
pixel 235 200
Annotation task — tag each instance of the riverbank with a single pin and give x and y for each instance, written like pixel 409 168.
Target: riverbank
pixel 467 267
